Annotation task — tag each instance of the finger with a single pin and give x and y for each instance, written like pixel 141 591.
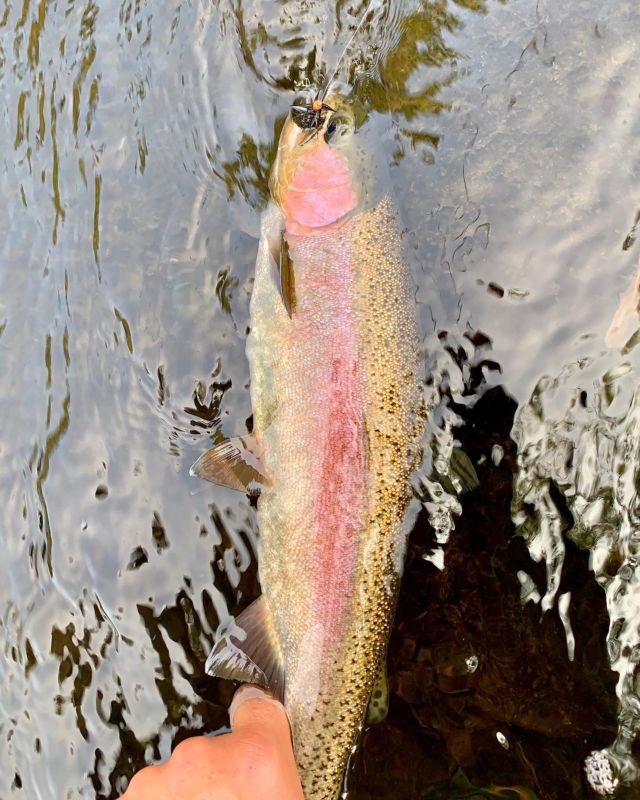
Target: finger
pixel 260 728
pixel 253 708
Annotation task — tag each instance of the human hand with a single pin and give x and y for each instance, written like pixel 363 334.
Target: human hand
pixel 253 762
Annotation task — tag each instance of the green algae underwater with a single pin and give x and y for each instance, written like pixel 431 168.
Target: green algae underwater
pixel 136 147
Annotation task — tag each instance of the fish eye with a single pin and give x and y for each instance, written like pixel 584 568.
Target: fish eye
pixel 338 128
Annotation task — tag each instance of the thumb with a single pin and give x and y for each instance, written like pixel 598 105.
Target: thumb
pixel 254 711
pixel 260 726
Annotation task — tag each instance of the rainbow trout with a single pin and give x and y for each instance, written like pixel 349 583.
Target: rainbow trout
pixel 337 396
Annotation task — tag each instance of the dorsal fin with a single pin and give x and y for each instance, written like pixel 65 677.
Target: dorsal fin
pixel 236 463
pixel 255 658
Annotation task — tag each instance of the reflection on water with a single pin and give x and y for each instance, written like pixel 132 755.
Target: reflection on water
pixel 136 146
pixel 578 478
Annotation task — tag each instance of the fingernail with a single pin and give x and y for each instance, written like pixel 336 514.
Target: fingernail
pixel 248 692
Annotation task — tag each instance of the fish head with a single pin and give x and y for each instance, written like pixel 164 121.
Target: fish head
pixel 315 175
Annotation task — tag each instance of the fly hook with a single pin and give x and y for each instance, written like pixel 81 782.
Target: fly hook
pixel 311 116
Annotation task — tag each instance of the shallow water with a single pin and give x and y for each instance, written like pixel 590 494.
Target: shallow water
pixel 136 141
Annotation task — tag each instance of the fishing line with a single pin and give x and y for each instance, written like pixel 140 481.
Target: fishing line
pixel 323 93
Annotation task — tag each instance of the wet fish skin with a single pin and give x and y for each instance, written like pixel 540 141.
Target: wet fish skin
pixel 336 391
pixel 625 320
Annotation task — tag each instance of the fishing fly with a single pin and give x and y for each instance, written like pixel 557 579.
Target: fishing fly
pixel 311 116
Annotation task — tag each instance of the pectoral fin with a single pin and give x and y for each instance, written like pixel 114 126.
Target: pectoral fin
pixel 625 320
pixel 460 476
pixel 279 249
pixel 379 702
pixel 236 463
pixel 256 657
pixel 462 468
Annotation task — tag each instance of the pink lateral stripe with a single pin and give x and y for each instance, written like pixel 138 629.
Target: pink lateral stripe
pixel 340 498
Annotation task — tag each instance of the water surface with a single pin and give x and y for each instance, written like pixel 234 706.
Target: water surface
pixel 136 143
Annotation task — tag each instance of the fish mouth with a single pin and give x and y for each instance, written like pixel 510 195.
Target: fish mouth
pixel 314 176
pixel 319 118
pixel 310 116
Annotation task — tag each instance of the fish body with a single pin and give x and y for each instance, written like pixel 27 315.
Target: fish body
pixel 336 393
